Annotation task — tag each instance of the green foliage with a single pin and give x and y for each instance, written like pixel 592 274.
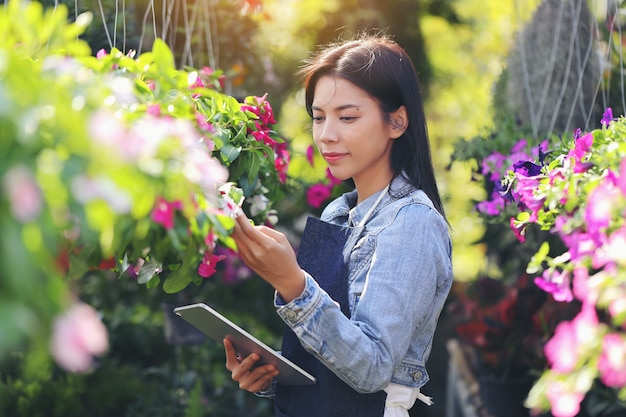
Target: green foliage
pixel 116 158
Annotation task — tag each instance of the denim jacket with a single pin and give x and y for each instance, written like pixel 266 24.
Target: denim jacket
pixel 400 275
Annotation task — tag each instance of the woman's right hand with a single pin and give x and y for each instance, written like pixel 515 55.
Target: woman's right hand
pixel 243 371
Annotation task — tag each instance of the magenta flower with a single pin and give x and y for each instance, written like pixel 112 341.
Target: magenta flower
pixel 581 288
pixel 101 53
pixel 163 212
pixel 310 152
pixel 77 336
pixel 208 265
pixel 525 190
pixel 601 204
pixel 564 402
pixel 556 283
pixel 491 207
pixel 492 165
pixel 612 363
pixel 333 181
pixel 317 194
pixel 561 350
pixel 263 136
pixel 519 228
pixel 582 145
pixel 621 179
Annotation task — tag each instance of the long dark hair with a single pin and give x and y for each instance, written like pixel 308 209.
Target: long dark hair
pixel 379 66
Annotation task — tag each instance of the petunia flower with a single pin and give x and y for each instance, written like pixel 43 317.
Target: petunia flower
pixel 310 153
pixel 564 402
pixel 556 283
pixel 612 362
pixel 607 117
pixel 317 194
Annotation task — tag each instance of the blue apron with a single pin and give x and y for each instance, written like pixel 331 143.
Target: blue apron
pixel 321 255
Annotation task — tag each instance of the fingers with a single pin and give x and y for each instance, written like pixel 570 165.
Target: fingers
pixel 243 370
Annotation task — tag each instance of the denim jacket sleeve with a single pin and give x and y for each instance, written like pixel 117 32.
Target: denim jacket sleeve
pixel 407 277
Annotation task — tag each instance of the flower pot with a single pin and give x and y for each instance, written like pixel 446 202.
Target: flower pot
pixel 504 397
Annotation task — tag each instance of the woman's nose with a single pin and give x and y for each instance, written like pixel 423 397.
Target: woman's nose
pixel 327 131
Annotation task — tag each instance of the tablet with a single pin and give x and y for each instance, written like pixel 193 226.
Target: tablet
pixel 218 327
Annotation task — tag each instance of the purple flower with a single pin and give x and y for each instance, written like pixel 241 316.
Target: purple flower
pixel 527 168
pixel 607 117
pixel 491 207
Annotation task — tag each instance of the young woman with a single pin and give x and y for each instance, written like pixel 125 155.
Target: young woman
pixel 362 298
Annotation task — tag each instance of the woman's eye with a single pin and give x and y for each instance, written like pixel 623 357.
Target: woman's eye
pixel 317 119
pixel 348 118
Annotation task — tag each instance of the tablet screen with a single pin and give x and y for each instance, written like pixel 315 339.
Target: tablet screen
pixel 218 327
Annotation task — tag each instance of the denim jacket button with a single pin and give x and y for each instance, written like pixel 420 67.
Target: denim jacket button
pixel 291 315
pixel 417 375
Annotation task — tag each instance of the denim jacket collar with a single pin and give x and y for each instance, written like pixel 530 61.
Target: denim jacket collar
pixel 346 207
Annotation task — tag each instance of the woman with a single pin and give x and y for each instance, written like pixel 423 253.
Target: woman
pixel 362 299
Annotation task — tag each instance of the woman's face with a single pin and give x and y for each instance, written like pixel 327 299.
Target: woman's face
pixel 351 133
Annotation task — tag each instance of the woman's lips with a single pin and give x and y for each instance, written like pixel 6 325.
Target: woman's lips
pixel 331 157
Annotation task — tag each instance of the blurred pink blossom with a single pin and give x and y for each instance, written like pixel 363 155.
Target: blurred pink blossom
pixel 163 212
pixel 78 335
pixel 24 194
pixel 310 153
pixel 564 402
pixel 612 363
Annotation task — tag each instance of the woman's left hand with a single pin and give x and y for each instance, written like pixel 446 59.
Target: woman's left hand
pixel 268 253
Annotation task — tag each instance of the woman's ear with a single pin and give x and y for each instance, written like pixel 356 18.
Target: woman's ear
pixel 398 121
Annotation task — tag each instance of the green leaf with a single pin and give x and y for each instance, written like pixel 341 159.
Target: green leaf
pixel 253 170
pixel 163 57
pixel 148 271
pixel 177 280
pixel 229 153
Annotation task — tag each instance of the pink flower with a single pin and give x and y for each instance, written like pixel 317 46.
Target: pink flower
pixel 101 53
pixel 493 164
pixel 77 336
pixel 163 212
pixel 24 194
pixel 564 402
pixel 582 145
pixel 621 179
pixel 310 153
pixel 560 350
pixel 317 194
pixel 612 363
pixel 333 181
pixel 556 283
pixel 154 110
pixel 491 207
pixel 600 207
pixel 525 188
pixel 208 264
pixel 519 228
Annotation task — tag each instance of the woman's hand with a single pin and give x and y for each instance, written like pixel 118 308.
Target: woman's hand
pixel 243 371
pixel 268 253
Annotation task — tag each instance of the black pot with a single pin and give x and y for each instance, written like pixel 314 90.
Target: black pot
pixel 505 397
